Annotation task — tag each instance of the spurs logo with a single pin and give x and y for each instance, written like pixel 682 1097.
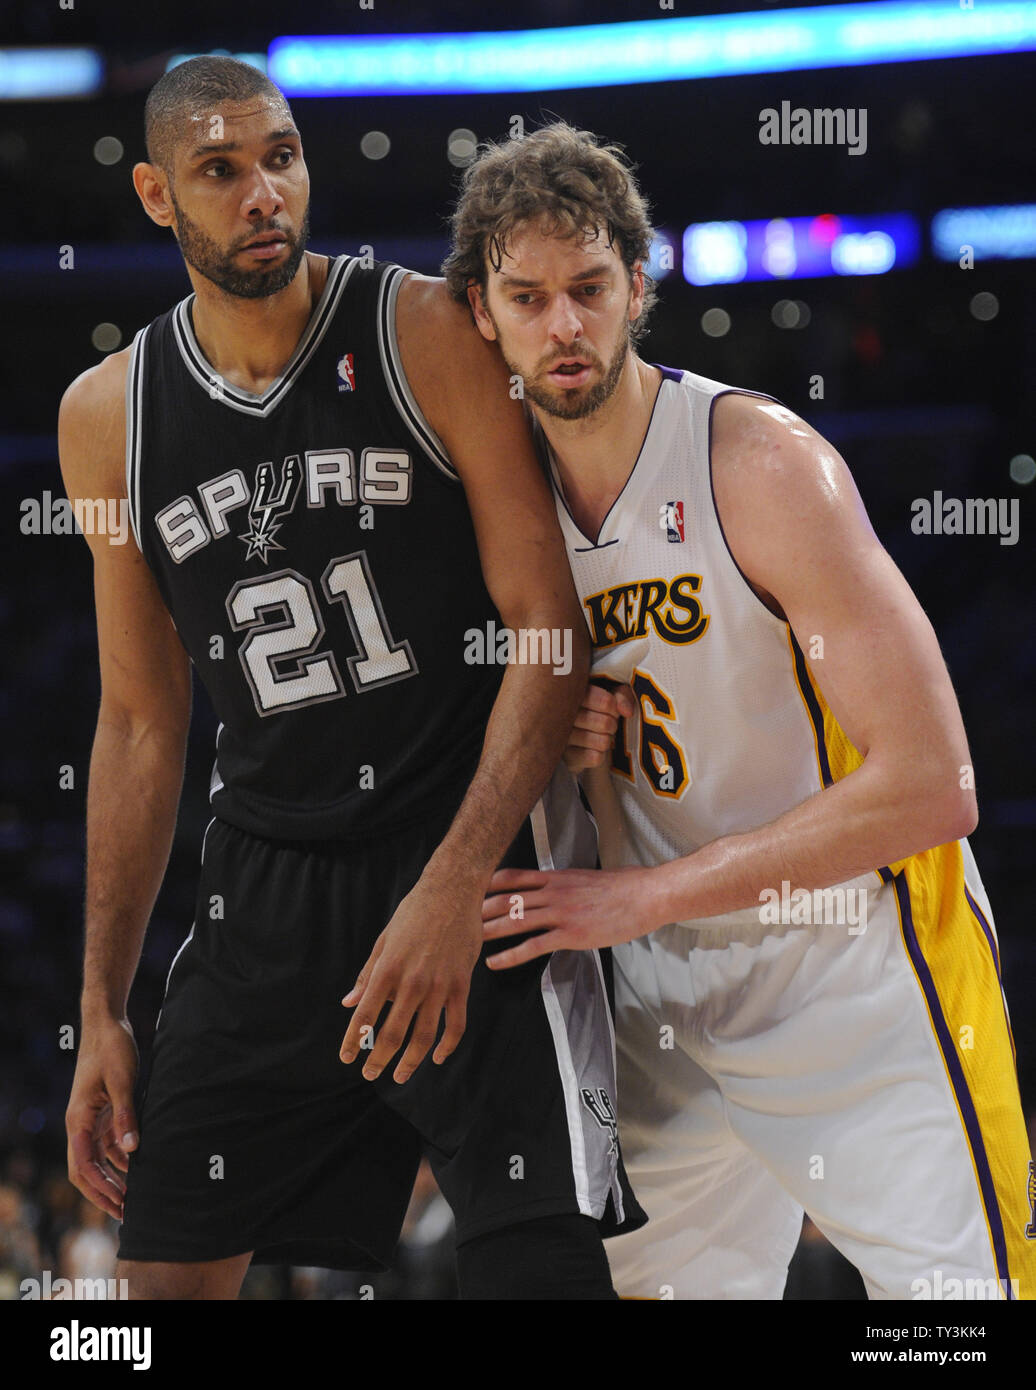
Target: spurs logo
pixel 269 504
pixel 598 1102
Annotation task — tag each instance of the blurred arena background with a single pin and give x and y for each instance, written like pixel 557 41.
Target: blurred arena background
pixel 860 316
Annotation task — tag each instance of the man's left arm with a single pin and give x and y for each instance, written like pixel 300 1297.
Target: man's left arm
pixel 795 522
pixel 423 959
pixel 466 396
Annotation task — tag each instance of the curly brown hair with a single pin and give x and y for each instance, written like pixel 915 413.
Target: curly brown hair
pixel 561 178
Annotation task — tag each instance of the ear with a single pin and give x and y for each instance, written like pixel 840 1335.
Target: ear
pixel 637 290
pixel 152 188
pixel 483 322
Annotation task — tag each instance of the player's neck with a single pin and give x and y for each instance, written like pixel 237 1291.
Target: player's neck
pixel 248 342
pixel 596 455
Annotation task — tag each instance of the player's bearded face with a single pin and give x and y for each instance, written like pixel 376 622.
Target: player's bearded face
pixel 578 403
pixel 573 402
pixel 219 264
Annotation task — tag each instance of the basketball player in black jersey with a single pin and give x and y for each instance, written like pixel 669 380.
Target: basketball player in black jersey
pixel 296 441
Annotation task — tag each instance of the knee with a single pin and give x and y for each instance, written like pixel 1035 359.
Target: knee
pixel 211 1279
pixel 552 1258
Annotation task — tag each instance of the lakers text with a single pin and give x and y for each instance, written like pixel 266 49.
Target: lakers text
pixel 827 907
pixel 969 516
pixel 529 646
pixel 90 516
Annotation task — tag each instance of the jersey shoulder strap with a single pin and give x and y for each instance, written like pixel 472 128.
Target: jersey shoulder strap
pixel 399 388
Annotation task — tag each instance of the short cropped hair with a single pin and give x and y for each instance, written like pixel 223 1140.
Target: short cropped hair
pixel 196 83
pixel 561 178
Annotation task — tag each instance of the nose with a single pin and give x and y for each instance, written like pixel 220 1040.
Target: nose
pixel 262 197
pixel 564 322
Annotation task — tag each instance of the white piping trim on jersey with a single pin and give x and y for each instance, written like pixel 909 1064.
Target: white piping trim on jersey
pixel 620 1212
pixel 134 404
pixel 244 401
pixel 570 1088
pixel 562 1044
pixel 187 939
pixel 403 397
pixel 179 953
pixel 201 860
pixel 215 780
pixel 183 946
pixel 541 836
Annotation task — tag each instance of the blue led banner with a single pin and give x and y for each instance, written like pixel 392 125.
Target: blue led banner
pixel 49 74
pixel 991 232
pixel 652 50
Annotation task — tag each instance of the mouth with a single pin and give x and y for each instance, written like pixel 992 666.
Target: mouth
pixel 264 248
pixel 569 372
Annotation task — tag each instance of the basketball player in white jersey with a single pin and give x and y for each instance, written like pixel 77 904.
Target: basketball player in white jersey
pixel 784 725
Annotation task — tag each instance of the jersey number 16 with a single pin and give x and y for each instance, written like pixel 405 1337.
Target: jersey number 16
pixel 662 759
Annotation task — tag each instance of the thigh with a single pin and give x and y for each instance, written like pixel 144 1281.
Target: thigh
pixel 253 1134
pixel 854 1087
pixel 719 1223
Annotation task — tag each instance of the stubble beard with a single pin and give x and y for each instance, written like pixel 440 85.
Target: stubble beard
pixel 211 260
pixel 578 405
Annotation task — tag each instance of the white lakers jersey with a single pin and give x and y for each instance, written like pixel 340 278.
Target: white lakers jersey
pixel 732 730
pixel 729 732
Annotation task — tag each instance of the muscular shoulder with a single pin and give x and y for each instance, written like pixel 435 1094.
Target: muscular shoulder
pixel 783 493
pixel 764 445
pixel 92 429
pixel 449 365
pixel 426 310
pixel 99 391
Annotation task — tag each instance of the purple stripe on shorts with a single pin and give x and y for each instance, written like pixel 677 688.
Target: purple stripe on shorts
pixel 960 1085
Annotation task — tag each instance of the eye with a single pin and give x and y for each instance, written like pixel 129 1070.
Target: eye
pixel 216 170
pixel 594 290
pixel 526 297
pixel 284 156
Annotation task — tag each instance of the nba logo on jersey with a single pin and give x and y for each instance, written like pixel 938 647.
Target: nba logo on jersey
pixel 671 521
pixel 346 374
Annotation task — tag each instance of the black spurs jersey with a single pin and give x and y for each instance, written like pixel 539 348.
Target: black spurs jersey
pixel 315 550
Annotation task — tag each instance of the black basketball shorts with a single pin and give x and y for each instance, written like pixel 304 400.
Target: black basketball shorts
pixel 254 1136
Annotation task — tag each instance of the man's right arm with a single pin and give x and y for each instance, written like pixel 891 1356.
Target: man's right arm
pixel 136 772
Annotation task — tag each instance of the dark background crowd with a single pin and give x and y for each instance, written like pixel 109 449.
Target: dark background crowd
pixel 924 390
